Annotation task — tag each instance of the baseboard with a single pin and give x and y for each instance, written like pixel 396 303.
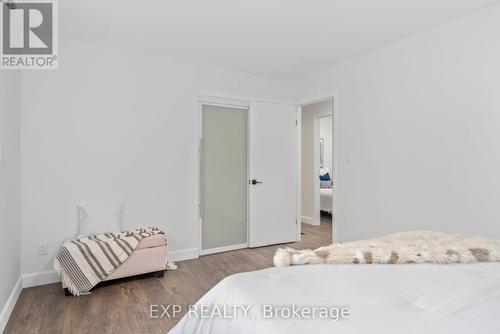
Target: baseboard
pixel 50 276
pixel 40 278
pixel 223 249
pixel 9 305
pixel 308 220
pixel 184 254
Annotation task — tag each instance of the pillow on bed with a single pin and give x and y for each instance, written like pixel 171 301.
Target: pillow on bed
pixel 98 218
pixel 325 177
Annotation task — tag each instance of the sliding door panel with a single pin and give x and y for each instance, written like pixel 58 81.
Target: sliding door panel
pixel 224 177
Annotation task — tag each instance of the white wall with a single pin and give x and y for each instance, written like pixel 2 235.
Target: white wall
pixel 309 154
pixel 109 124
pixel 9 187
pixel 325 132
pixel 420 120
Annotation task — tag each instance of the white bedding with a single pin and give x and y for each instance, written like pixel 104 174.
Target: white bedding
pixel 326 199
pixel 414 298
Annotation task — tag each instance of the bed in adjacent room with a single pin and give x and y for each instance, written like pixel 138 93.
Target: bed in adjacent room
pixel 326 188
pixel 326 199
pixel 407 298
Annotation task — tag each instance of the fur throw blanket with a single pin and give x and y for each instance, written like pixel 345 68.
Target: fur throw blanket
pixel 405 247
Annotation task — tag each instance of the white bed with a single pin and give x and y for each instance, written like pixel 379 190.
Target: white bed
pixel 414 298
pixel 326 200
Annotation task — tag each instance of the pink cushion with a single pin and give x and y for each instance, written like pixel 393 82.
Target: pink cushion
pixel 142 261
pixel 156 240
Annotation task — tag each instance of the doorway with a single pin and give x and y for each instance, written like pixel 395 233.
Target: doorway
pixel 317 165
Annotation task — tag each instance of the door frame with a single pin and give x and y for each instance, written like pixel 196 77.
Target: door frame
pixel 335 174
pixel 229 103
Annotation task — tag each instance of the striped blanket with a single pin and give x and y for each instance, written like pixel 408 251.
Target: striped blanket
pixel 86 261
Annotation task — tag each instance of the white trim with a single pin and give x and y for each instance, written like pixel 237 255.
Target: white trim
pixel 183 254
pixel 50 276
pixel 309 220
pixel 319 98
pixel 248 177
pixel 336 164
pixel 315 172
pixel 40 278
pixel 199 180
pixel 247 99
pixel 223 102
pixel 10 303
pixel 298 189
pixel 223 249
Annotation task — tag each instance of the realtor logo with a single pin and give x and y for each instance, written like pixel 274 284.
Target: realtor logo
pixel 29 34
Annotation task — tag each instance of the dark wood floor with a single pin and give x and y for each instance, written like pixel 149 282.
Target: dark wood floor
pixel 123 306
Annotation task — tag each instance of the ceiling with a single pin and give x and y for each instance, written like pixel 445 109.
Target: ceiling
pixel 270 37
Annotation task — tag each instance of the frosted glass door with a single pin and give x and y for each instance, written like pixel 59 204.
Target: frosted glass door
pixel 224 177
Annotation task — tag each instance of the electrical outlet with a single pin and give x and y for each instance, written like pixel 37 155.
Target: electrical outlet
pixel 43 249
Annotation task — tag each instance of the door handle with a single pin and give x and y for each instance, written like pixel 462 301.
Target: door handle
pixel 254 182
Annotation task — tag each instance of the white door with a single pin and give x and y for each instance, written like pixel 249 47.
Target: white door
pixel 273 174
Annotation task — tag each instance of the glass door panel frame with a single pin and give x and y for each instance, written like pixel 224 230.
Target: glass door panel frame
pixel 226 103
